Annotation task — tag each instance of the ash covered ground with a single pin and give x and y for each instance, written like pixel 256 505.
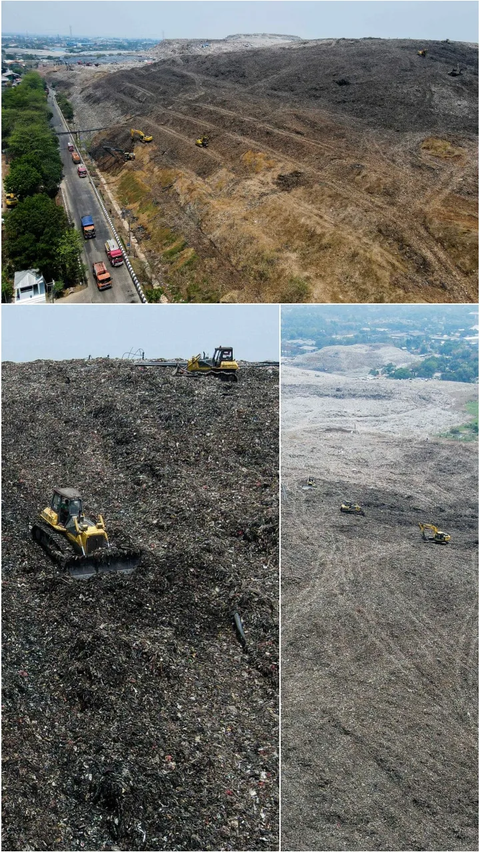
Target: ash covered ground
pixel 379 628
pixel 133 718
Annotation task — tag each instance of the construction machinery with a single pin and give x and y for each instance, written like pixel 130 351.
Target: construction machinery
pixel 138 134
pixel 311 482
pixel 351 509
pixel 422 52
pixel 222 364
pixel 127 155
pixel 202 141
pixel 63 527
pixel 11 199
pixel 432 533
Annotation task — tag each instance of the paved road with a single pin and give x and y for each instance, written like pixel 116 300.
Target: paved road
pixel 82 201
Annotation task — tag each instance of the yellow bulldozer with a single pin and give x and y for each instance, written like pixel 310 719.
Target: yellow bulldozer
pixel 79 545
pixel 437 536
pixel 202 141
pixel 138 134
pixel 351 509
pixel 222 365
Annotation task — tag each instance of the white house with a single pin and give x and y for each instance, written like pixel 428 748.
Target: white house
pixel 29 287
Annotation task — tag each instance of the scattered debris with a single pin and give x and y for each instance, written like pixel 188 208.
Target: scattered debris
pixel 128 711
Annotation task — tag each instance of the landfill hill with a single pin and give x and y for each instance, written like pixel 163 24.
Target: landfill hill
pixel 379 628
pixel 133 716
pixel 337 170
pixel 360 358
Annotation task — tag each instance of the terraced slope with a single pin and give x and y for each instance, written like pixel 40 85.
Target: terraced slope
pixel 337 170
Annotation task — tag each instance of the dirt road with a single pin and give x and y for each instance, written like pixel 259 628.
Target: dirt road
pixel 379 638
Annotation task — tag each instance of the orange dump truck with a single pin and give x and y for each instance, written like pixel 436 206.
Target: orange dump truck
pixel 101 275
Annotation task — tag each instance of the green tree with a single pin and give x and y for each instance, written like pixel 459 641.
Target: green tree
pixel 33 231
pixel 23 179
pixel 7 288
pixel 68 257
pixel 402 373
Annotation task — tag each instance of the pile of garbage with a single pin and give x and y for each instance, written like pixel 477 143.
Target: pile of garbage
pixel 141 711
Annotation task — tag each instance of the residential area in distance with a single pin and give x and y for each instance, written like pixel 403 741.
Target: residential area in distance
pixel 445 339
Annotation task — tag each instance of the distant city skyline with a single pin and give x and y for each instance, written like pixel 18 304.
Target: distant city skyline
pixel 456 20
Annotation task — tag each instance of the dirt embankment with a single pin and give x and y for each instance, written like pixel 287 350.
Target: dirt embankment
pixel 132 716
pixel 336 171
pixel 379 629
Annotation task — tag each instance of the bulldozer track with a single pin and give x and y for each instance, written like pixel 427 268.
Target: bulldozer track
pixel 420 241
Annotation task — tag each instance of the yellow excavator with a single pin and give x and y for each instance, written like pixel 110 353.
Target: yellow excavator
pixel 437 536
pixel 202 141
pixel 422 52
pixel 138 134
pixel 351 509
pixel 222 365
pixel 62 528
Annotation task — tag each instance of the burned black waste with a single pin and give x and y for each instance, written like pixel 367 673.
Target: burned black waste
pixel 135 713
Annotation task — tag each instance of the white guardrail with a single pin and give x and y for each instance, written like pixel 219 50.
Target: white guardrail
pixel 129 266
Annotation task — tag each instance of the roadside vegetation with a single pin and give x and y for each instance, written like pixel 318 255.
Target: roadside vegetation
pixel 65 105
pixel 37 232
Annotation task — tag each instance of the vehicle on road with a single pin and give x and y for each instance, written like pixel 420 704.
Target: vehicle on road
pixel 114 253
pixel 70 147
pixel 81 171
pixel 11 199
pixel 88 228
pixel 102 275
pixel 76 158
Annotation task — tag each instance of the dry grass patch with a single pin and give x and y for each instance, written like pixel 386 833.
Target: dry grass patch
pixel 441 148
pixel 257 161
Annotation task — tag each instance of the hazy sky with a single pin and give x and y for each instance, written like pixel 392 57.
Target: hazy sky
pixel 456 20
pixel 31 332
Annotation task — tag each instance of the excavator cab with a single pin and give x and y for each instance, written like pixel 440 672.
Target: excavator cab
pixel 351 509
pixel 202 142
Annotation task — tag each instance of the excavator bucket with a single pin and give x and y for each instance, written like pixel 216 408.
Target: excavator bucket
pixel 105 561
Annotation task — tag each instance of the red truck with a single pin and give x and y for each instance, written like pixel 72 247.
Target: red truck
pixel 76 158
pixel 114 254
pixel 81 171
pixel 101 275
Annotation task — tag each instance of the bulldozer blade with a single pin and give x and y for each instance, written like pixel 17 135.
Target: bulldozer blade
pixel 105 562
